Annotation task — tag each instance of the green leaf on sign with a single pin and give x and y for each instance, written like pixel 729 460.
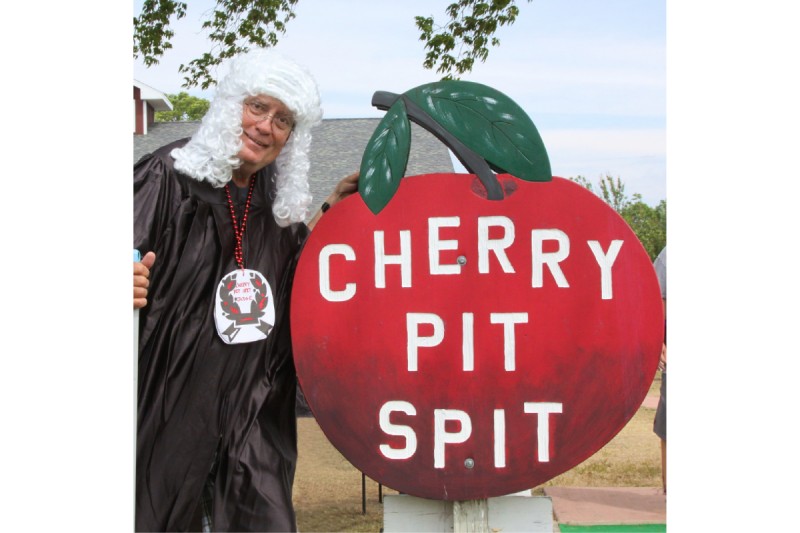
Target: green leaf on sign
pixel 384 162
pixel 489 123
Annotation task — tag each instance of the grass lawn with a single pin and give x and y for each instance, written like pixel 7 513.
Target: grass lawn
pixel 327 488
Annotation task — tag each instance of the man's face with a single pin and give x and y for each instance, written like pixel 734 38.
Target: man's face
pixel 266 126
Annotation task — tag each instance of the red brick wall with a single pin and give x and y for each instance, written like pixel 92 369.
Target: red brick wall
pixel 139 122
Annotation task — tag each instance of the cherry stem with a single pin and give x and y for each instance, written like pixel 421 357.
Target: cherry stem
pixel 474 163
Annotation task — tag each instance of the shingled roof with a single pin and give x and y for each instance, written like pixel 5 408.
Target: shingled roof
pixel 336 149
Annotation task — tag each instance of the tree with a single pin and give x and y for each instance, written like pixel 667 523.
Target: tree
pixel 648 223
pixel 471 27
pixel 184 108
pixel 237 24
pixel 233 24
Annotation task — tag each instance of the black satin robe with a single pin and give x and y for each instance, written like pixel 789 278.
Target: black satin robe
pixel 196 394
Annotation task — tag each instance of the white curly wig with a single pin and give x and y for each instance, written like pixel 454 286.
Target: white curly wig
pixel 211 154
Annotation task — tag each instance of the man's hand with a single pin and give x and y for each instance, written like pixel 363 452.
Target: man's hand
pixel 347 186
pixel 141 275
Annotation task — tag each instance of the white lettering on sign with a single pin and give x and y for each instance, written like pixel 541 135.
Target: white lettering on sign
pixel 486 247
pixel 498 246
pixel 436 245
pixel 499 438
pixel 544 410
pixel 441 436
pixel 401 431
pixel 325 273
pixel 539 258
pixel 605 260
pixel 509 339
pixel 382 259
pixel 415 341
pixel 467 342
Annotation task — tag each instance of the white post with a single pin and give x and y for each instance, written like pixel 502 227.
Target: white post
pixel 471 516
pixel 136 258
pixel 515 512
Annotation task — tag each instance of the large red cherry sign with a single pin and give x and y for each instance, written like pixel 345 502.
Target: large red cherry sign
pixel 456 348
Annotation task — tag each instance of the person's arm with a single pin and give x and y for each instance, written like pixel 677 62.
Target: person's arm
pixel 343 189
pixel 156 197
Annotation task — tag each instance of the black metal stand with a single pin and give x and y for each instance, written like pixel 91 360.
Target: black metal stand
pixel 364 493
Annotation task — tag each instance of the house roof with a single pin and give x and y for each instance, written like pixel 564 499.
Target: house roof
pixel 157 100
pixel 338 145
pixel 160 134
pixel 336 150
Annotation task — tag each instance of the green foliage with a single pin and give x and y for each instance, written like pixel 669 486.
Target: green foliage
pixel 648 223
pixel 184 108
pixel 233 26
pixel 470 30
pixel 582 181
pixel 614 193
pixel 151 30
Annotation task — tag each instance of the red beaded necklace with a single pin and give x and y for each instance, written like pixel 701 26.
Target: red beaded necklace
pixel 238 231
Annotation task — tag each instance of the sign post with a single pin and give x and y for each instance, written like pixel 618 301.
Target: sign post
pixel 137 256
pixel 471 516
pixel 459 348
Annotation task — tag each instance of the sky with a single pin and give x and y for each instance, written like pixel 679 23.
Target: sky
pixel 591 75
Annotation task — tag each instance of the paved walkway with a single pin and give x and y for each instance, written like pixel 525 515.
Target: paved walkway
pixel 609 505
pixel 650 402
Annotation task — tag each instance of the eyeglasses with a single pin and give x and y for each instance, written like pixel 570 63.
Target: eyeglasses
pixel 281 121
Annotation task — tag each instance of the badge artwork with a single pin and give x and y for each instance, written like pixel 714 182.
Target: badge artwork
pixel 244 310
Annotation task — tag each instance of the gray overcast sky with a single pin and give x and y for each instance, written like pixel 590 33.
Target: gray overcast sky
pixel 591 75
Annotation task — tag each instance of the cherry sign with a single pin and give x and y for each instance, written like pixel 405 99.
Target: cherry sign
pixel 456 347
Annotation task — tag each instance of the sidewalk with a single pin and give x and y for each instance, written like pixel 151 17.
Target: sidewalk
pixel 595 506
pixel 608 505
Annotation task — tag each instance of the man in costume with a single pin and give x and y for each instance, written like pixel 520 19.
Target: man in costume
pixel 221 219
